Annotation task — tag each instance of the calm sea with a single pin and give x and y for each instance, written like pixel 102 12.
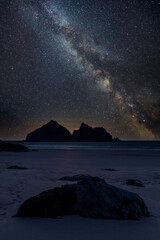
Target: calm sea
pixel 128 145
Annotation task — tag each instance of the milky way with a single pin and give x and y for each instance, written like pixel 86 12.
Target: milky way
pixel 81 61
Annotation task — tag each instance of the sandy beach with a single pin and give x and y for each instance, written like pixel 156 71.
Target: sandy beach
pixel 45 167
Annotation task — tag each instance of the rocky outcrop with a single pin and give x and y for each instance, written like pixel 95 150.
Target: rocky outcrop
pixel 91 197
pixel 116 139
pixel 89 134
pixel 85 133
pixel 10 147
pixel 54 132
pixel 50 132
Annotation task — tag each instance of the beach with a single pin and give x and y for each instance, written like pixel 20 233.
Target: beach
pixel 44 169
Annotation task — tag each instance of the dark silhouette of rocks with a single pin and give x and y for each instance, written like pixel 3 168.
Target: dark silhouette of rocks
pixel 78 177
pixel 50 132
pixel 102 135
pixel 110 169
pixel 17 167
pixel 91 197
pixel 10 147
pixel 89 134
pixel 53 132
pixel 116 139
pixel 85 133
pixel 134 182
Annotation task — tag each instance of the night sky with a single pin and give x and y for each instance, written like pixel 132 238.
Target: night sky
pixel 73 61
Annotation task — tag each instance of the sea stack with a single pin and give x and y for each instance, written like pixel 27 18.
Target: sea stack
pixel 54 132
pixel 50 132
pixel 89 134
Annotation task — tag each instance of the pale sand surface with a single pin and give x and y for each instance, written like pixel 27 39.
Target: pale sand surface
pixel 45 167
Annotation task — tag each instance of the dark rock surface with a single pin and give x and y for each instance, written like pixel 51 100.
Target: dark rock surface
pixel 110 169
pixel 78 177
pixel 102 135
pixel 10 147
pixel 54 132
pixel 134 182
pixel 91 197
pixel 116 140
pixel 89 134
pixel 85 133
pixel 50 132
pixel 17 167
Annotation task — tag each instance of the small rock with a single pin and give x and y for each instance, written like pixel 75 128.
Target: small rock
pixel 17 167
pixel 134 182
pixel 110 169
pixel 78 177
pixel 10 147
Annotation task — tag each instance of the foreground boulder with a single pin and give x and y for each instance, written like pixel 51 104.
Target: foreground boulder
pixel 50 132
pixel 91 197
pixel 10 147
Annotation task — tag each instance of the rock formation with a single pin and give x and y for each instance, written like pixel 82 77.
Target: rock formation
pixel 54 132
pixel 50 132
pixel 74 178
pixel 10 147
pixel 15 167
pixel 91 197
pixel 89 134
pixel 134 182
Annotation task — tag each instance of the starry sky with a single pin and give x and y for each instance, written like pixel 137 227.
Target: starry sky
pixel 79 61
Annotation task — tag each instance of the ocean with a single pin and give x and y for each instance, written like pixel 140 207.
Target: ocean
pixel 123 145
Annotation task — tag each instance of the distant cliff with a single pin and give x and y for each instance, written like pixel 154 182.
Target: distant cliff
pixel 54 132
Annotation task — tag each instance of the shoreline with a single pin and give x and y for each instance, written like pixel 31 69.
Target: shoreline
pixel 45 167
